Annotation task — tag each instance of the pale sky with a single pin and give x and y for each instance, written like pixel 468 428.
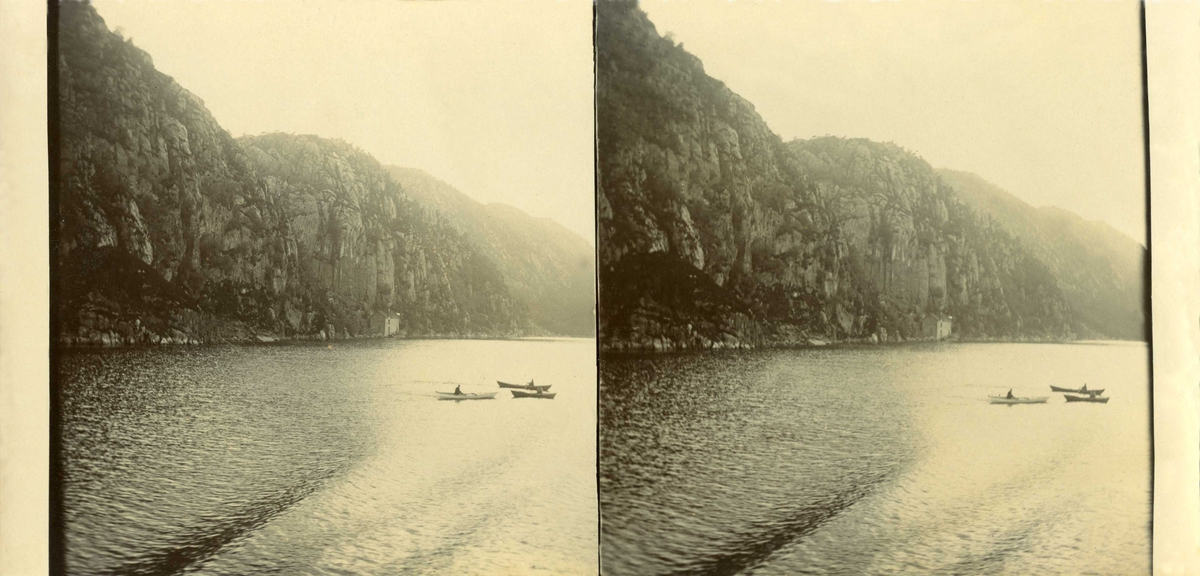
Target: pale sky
pixel 1043 99
pixel 494 97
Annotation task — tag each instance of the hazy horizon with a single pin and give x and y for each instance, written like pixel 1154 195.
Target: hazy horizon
pixel 1042 99
pixel 494 99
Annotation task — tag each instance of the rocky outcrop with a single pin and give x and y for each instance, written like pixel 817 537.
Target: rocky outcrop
pixel 339 227
pixel 1100 270
pixel 817 240
pixel 170 230
pixel 548 269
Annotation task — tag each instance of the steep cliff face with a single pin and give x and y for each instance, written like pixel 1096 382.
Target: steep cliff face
pixel 780 242
pixel 1100 270
pixel 550 270
pixel 358 238
pixel 917 248
pixel 679 157
pixel 140 161
pixel 169 229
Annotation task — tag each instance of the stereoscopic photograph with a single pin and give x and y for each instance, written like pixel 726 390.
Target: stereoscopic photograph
pixel 323 288
pixel 872 288
pixel 611 287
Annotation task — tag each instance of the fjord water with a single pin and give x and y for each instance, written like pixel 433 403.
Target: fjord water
pixel 876 460
pixel 308 459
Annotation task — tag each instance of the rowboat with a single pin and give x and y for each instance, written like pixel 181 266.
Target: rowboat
pixel 524 386
pixel 538 394
pixel 1071 398
pixel 1077 390
pixel 1007 400
pixel 465 396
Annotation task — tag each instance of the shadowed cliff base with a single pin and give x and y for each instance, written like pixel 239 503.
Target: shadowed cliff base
pixel 256 238
pixel 828 239
pixel 659 301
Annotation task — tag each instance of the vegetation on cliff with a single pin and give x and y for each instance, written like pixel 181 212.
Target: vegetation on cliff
pixel 824 238
pixel 1100 270
pixel 140 161
pixel 342 230
pixel 169 229
pixel 550 270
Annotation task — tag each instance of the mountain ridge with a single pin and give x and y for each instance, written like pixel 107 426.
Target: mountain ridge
pixel 551 272
pixel 1048 208
pixel 807 240
pixel 169 230
pixel 1099 267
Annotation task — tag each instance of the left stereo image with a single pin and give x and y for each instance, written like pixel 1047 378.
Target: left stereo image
pixel 322 288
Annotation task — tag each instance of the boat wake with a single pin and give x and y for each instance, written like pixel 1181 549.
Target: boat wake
pixel 757 547
pixel 205 541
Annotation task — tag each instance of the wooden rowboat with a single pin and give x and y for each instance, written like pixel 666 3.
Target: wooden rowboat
pixel 1077 390
pixel 524 386
pixel 464 396
pixel 538 394
pixel 1071 398
pixel 1007 400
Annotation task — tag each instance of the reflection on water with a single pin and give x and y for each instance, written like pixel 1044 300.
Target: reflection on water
pixel 875 460
pixel 304 458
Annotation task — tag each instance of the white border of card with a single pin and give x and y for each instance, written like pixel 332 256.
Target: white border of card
pixel 24 291
pixel 1173 78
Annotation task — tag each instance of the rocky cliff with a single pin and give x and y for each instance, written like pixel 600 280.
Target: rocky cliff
pixel 550 270
pixel 715 232
pixel 1100 270
pixel 356 236
pixel 170 230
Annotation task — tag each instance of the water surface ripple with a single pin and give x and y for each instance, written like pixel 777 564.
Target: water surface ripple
pixel 875 460
pixel 309 459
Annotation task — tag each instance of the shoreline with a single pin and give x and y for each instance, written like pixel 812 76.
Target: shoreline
pixel 265 340
pixel 631 350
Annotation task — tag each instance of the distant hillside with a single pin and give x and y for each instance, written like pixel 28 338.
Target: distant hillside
pixel 714 232
pixel 170 230
pixel 548 268
pixel 1100 270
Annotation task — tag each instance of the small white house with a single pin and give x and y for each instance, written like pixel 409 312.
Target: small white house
pixel 384 323
pixel 936 326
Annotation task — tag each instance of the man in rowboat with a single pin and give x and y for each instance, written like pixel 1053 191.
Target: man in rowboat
pixel 458 390
pixel 1010 396
pixel 530 386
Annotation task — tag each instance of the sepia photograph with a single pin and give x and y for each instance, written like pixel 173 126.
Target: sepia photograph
pixel 621 287
pixel 872 288
pixel 322 288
